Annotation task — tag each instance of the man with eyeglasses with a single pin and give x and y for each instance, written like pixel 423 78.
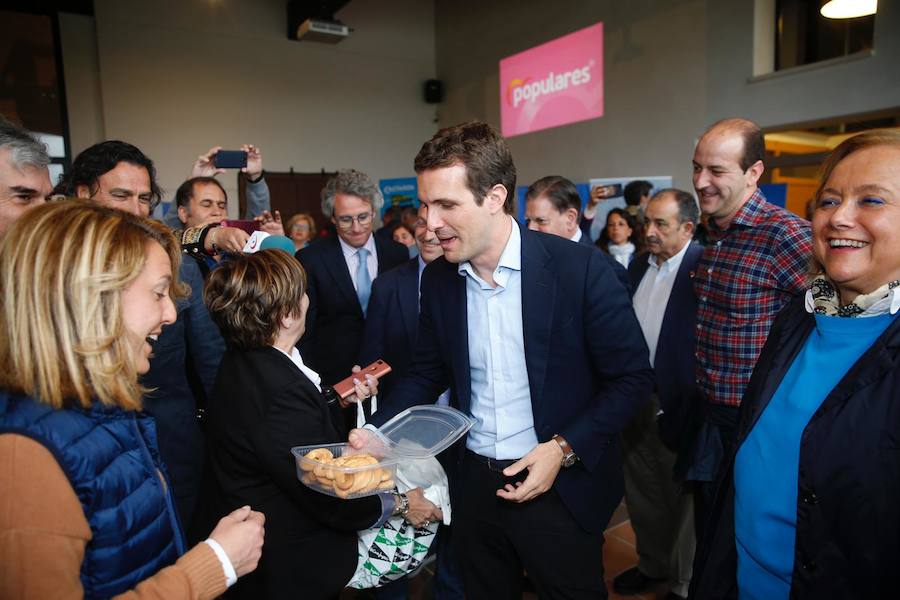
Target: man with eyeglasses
pixel 340 270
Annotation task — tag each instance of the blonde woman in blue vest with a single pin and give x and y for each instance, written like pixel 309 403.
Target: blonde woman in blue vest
pixel 85 507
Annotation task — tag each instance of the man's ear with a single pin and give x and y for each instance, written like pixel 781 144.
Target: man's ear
pixel 183 214
pixel 755 172
pixel 571 215
pixel 82 191
pixel 496 198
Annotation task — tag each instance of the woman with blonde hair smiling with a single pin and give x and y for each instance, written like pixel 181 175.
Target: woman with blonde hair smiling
pixel 85 506
pixel 808 506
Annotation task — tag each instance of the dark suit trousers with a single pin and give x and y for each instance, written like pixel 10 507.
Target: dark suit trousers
pixel 496 540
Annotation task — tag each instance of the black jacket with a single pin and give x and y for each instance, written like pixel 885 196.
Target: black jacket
pixel 261 407
pixel 334 320
pixel 848 501
pixel 673 366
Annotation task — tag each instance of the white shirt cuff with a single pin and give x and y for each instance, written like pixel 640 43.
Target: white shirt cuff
pixel 230 575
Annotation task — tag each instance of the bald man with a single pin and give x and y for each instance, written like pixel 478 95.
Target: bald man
pixel 757 260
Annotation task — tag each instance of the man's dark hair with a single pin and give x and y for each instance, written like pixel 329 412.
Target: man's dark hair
pixel 754 141
pixel 558 190
pixel 102 158
pixel 688 209
pixel 186 190
pixel 483 152
pixel 635 190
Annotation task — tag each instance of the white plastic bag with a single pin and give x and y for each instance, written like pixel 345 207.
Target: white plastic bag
pixel 389 552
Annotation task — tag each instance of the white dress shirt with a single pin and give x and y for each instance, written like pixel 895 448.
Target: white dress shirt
pixel 351 257
pixel 298 360
pixel 652 297
pixel 501 396
pixel 576 237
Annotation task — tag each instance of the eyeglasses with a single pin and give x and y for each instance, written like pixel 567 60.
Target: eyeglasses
pixel 300 227
pixel 346 222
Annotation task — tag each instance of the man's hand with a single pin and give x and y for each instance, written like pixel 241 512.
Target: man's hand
pixel 421 510
pixel 205 165
pixel 270 223
pixel 226 239
pixel 254 162
pixel 367 441
pixel 543 464
pixel 241 536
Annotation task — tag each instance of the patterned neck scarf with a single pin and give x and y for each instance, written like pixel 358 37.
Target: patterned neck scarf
pixel 826 300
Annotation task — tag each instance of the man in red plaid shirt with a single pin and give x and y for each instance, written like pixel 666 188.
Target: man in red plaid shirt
pixel 757 260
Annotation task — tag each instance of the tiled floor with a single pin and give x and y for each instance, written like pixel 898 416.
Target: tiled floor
pixel 618 555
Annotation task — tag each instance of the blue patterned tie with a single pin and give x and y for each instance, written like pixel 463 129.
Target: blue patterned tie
pixel 363 279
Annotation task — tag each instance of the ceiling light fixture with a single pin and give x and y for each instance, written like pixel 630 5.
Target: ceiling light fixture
pixel 849 9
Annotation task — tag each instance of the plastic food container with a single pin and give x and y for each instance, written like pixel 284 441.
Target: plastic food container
pixel 416 433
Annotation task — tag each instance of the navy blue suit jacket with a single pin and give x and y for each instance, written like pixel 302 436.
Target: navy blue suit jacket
pixel 185 361
pixel 392 323
pixel 617 268
pixel 587 362
pixel 674 362
pixel 334 320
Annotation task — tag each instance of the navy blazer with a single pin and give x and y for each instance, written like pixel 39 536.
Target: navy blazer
pixel 617 267
pixel 185 361
pixel 587 362
pixel 392 323
pixel 674 362
pixel 334 320
pixel 848 513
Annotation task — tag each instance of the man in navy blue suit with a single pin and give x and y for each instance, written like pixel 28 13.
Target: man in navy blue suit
pixel 392 320
pixel 340 270
pixel 539 344
pixel 660 507
pixel 392 326
pixel 552 205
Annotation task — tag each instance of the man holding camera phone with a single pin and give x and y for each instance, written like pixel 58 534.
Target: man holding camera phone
pixel 538 342
pixel 201 204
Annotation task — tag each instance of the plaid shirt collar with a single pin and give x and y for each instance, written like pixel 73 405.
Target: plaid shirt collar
pixel 751 214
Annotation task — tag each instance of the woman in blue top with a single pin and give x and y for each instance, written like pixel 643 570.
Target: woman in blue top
pixel 809 504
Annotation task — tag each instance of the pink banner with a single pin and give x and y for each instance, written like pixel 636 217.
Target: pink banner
pixel 553 84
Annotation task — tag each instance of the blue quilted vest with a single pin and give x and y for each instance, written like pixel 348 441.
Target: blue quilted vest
pixel 112 462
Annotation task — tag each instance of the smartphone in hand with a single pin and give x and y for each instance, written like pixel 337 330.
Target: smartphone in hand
pixel 345 388
pixel 248 225
pixel 231 159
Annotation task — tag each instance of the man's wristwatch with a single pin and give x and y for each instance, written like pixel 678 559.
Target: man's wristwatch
pixel 569 457
pixel 402 507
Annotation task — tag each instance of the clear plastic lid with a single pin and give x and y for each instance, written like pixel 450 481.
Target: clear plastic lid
pixel 425 431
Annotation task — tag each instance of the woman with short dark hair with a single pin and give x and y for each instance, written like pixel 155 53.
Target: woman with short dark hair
pixel 266 401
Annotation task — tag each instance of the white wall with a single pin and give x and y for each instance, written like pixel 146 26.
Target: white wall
pixel 179 76
pixel 672 67
pixel 653 82
pixel 82 78
pixel 815 92
pixel 175 77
